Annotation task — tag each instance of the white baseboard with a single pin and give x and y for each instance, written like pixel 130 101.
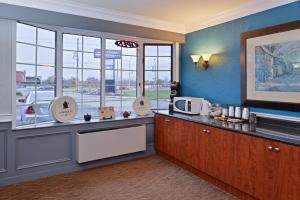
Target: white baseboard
pixel 5 117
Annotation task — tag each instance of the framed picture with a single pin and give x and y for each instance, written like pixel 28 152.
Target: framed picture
pixel 270 67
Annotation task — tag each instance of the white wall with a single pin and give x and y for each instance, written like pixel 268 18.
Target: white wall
pixel 7 59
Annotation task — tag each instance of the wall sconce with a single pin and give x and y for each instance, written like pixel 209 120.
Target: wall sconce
pixel 195 58
pixel 206 58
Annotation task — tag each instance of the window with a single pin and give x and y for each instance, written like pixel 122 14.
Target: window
pixel 120 76
pixel 158 74
pixel 82 72
pixel 53 61
pixel 35 73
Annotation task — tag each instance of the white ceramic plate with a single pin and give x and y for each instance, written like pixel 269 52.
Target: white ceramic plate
pixel 63 109
pixel 142 106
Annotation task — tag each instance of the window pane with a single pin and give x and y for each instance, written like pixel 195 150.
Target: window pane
pixel 73 92
pixel 151 91
pixel 164 50
pixel 150 63
pixel 35 83
pixel 157 75
pixel 164 77
pixel 26 33
pixel 164 92
pixel 129 51
pixel 72 42
pixel 163 104
pixel 150 50
pixel 129 63
pixel 46 76
pixel 46 56
pixel 25 77
pixel 129 79
pixel 127 103
pixel 150 77
pixel 113 77
pixel 25 53
pixel 72 78
pixel 113 63
pixel 72 59
pixel 164 63
pixel 89 61
pixel 91 79
pixel 110 45
pixel 46 38
pixel 91 43
pixel 90 108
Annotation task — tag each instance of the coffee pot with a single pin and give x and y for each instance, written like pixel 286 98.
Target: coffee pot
pixel 206 106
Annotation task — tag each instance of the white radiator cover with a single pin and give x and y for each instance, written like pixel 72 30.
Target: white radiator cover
pixel 109 143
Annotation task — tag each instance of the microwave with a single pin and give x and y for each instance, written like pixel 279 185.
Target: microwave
pixel 187 105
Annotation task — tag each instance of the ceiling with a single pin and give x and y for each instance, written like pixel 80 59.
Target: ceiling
pixel 175 11
pixel 181 16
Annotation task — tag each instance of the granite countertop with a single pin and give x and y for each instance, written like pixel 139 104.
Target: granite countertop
pixel 286 134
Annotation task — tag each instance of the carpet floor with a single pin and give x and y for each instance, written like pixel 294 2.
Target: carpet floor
pixel 149 178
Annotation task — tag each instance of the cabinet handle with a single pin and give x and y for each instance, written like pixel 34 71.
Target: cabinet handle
pixel 204 130
pixel 277 149
pixel 270 148
pixel 207 131
pixel 167 120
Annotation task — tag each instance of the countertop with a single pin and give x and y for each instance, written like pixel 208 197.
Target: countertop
pixel 82 122
pixel 275 131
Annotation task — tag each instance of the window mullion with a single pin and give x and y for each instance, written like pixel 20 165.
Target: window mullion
pixel 103 63
pixel 59 64
pixel 82 81
pixel 35 82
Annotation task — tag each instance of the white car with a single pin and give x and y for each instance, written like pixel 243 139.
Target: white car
pixel 39 111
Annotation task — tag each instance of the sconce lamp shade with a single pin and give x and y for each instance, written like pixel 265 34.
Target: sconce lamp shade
pixel 206 57
pixel 195 58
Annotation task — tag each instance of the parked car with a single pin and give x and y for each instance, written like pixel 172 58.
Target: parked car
pixel 39 110
pixel 31 112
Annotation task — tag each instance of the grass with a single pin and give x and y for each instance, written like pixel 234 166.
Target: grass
pixel 151 94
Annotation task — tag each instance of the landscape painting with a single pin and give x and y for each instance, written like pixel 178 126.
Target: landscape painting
pixel 277 67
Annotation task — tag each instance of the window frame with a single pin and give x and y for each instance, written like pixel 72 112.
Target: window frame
pixel 172 66
pixel 124 70
pixel 82 34
pixel 140 73
pixel 35 65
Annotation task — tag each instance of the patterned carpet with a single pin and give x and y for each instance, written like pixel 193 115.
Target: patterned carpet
pixel 150 178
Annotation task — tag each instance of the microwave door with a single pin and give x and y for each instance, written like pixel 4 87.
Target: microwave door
pixel 180 105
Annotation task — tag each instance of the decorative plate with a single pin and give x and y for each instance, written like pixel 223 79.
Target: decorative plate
pixel 142 106
pixel 63 109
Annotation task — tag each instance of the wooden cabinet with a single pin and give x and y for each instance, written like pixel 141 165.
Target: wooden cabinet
pixel 262 168
pixel 214 147
pixel 277 170
pixel 175 138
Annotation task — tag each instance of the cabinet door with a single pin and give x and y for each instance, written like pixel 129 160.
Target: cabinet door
pixel 202 148
pixel 265 160
pixel 242 169
pixel 287 179
pixel 215 152
pixel 187 147
pixel 160 132
pixel 166 137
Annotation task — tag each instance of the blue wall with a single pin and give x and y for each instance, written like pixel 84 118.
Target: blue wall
pixel 221 82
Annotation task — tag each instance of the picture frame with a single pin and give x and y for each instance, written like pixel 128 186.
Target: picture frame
pixel 106 112
pixel 270 67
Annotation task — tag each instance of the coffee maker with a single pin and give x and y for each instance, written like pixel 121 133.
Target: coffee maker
pixel 175 92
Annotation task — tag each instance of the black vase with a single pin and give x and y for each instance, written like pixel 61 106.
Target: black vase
pixel 87 117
